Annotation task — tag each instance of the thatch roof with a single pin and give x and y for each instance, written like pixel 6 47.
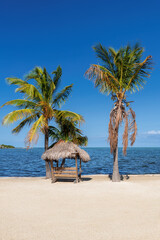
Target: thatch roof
pixel 65 150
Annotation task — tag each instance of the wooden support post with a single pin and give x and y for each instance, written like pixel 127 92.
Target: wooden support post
pixel 63 162
pixel 57 163
pixel 80 168
pixel 76 169
pixel 52 173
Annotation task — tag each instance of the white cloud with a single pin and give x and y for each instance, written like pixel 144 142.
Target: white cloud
pixel 154 132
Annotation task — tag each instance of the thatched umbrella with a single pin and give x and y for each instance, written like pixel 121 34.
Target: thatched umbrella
pixel 63 150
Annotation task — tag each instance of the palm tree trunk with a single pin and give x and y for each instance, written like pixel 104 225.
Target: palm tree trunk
pixel 48 171
pixel 115 175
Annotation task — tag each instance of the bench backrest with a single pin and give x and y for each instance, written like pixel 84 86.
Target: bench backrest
pixel 67 172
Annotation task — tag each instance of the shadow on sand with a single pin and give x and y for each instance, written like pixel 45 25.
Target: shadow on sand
pixel 83 179
pixel 122 177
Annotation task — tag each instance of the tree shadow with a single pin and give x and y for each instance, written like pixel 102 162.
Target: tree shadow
pixel 122 177
pixel 85 179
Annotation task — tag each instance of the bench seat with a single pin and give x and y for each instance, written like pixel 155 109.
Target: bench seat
pixel 65 173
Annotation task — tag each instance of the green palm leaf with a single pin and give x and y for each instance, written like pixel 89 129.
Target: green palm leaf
pixel 121 70
pixel 33 133
pixel 28 121
pixel 21 103
pixel 15 81
pixel 62 96
pixel 60 115
pixel 80 140
pixel 16 115
pixel 54 133
pixel 68 131
pixel 30 91
pixel 57 76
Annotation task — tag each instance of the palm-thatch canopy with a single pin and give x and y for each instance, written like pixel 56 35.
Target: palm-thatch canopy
pixel 62 150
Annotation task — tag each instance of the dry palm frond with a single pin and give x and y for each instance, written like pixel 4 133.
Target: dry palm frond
pixel 125 135
pixel 117 116
pixel 102 78
pixel 115 120
pixel 132 126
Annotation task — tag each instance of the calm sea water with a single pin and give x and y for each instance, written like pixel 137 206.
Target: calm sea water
pixel 26 163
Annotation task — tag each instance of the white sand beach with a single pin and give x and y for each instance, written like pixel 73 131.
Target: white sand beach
pixel 95 209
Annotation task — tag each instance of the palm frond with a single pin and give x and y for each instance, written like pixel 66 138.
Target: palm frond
pixel 75 117
pixel 132 126
pixel 68 131
pixel 62 96
pixel 54 133
pixel 30 91
pixel 44 82
pixel 16 115
pixel 102 78
pixel 21 103
pixel 141 70
pixel 57 76
pixel 15 81
pixel 80 140
pixel 33 133
pixel 125 134
pixel 36 74
pixel 28 121
pixel 105 57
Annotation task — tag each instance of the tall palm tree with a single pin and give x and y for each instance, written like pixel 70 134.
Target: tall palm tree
pixel 67 130
pixel 121 71
pixel 40 105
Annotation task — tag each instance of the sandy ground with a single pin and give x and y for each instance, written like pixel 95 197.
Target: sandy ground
pixel 97 209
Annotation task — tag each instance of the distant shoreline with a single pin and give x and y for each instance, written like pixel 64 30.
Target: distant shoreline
pixel 4 146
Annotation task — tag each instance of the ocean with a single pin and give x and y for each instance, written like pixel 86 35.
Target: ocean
pixel 28 163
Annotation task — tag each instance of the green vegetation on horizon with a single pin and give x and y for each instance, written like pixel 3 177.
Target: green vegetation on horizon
pixel 6 146
pixel 121 71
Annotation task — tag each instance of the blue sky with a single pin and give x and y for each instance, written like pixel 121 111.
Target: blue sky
pixel 51 33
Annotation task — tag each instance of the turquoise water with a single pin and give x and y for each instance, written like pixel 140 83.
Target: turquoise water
pixel 22 162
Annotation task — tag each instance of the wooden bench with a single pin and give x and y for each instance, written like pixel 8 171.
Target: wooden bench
pixel 65 173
